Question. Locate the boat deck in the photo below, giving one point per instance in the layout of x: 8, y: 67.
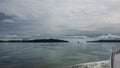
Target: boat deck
x: 115, y: 57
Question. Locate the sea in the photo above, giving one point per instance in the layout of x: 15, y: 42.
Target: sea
x: 53, y: 55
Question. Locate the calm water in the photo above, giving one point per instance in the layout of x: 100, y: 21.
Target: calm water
x: 51, y: 55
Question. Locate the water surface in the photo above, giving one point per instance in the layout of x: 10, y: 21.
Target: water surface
x: 52, y: 55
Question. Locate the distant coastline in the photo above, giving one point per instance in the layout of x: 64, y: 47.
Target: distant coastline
x: 105, y: 41
x: 107, y: 38
x: 37, y: 40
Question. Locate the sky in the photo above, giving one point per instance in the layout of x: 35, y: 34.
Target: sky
x: 59, y: 17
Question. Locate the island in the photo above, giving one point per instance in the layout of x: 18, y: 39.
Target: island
x: 105, y: 41
x: 37, y: 40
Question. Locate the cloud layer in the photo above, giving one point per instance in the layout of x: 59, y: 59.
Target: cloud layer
x: 62, y: 17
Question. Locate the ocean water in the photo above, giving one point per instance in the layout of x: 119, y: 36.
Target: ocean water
x: 52, y: 55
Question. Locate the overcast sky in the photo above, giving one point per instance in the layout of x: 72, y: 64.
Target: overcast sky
x: 59, y: 17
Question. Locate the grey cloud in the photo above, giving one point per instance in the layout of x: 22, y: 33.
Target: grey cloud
x: 61, y: 17
x: 7, y: 21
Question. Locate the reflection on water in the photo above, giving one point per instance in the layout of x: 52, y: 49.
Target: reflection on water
x: 51, y: 55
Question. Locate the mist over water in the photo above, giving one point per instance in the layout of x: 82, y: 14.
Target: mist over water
x: 52, y: 55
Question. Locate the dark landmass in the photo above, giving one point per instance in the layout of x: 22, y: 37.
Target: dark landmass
x: 105, y: 41
x: 37, y: 40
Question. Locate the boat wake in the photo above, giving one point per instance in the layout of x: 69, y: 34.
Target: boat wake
x: 100, y: 64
